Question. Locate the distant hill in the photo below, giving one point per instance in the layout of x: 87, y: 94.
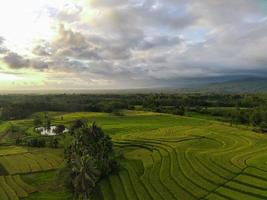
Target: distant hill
x: 250, y: 85
x: 224, y: 84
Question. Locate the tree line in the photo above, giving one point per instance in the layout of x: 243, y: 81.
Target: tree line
x: 21, y: 106
x: 248, y: 108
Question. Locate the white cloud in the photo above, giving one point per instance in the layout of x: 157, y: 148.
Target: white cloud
x: 140, y: 42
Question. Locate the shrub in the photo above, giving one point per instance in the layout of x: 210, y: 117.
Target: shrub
x: 18, y: 141
x: 53, y: 143
x: 263, y: 127
x: 59, y: 129
x: 37, y: 121
x: 36, y: 142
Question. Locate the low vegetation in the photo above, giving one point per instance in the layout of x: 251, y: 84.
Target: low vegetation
x: 210, y: 161
x: 214, y: 149
x: 14, y: 188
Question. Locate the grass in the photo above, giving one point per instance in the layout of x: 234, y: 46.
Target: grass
x: 166, y: 157
x: 13, y: 187
x: 11, y: 150
x: 50, y: 187
x: 187, y: 158
x: 31, y: 160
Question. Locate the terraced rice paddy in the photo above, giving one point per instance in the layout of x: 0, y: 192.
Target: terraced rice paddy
x: 212, y: 161
x: 28, y: 162
x: 166, y: 157
x: 14, y: 188
x: 15, y: 161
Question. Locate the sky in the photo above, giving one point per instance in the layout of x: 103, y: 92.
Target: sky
x: 117, y: 44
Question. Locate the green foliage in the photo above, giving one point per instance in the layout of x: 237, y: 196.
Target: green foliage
x: 210, y: 161
x: 53, y: 143
x: 18, y: 141
x: 37, y: 121
x: 13, y: 128
x: 164, y: 157
x: 66, y: 140
x: 13, y: 187
x: 179, y: 110
x: 47, y: 121
x: 263, y: 127
x: 34, y: 160
x: 240, y: 116
x: 117, y: 112
x: 36, y: 142
x: 259, y: 116
x: 3, y: 170
x: 77, y: 124
x: 21, y: 106
x: 49, y: 184
x: 88, y: 158
x: 15, y: 132
x: 59, y: 129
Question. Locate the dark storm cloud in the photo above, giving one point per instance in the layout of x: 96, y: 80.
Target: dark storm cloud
x: 15, y: 61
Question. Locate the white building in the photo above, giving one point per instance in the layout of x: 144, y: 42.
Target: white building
x: 51, y: 132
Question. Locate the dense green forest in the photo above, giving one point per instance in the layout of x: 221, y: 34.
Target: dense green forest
x: 247, y: 109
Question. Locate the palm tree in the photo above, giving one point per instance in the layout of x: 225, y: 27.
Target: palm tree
x: 89, y: 158
x: 86, y: 176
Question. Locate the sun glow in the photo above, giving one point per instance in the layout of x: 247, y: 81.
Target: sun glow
x: 8, y: 77
x: 29, y: 21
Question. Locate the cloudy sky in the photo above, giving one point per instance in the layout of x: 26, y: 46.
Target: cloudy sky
x: 94, y: 44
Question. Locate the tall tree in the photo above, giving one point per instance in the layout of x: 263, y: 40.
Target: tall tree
x: 89, y: 157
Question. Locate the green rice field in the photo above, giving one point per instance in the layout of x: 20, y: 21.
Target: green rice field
x: 165, y: 157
